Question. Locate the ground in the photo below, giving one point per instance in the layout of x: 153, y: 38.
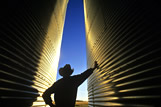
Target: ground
x: 81, y: 104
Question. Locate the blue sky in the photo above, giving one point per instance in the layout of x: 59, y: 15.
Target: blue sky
x: 73, y: 49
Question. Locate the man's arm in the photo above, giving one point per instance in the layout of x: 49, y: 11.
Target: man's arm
x: 83, y: 76
x: 47, y: 95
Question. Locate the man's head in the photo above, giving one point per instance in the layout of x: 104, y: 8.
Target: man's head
x: 66, y: 70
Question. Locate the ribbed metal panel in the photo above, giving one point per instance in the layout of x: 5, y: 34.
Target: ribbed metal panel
x: 124, y: 36
x: 30, y: 40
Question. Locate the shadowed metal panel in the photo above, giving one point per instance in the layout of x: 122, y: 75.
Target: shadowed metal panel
x: 124, y: 37
x: 30, y: 40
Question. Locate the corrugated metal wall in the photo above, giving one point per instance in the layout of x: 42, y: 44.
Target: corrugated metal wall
x: 124, y: 36
x: 30, y: 40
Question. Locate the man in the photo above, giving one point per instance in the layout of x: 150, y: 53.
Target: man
x: 65, y: 89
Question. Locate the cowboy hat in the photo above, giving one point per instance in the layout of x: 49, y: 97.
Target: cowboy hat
x: 66, y: 70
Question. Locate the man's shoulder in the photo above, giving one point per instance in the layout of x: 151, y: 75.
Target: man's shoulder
x: 75, y: 76
x: 56, y: 82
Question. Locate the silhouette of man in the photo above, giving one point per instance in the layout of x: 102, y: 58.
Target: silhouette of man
x: 65, y: 89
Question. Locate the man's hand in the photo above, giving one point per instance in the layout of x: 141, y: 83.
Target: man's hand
x: 96, y: 65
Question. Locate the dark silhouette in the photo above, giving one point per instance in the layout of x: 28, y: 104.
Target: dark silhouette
x: 65, y: 89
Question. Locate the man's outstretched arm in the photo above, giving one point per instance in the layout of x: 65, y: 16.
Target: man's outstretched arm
x: 47, y: 96
x: 83, y: 76
x: 89, y: 71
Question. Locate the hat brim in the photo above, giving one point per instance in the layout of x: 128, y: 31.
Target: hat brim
x: 66, y: 73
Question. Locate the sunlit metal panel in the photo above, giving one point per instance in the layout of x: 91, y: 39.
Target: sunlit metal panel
x: 124, y: 37
x: 30, y: 40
